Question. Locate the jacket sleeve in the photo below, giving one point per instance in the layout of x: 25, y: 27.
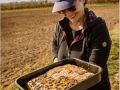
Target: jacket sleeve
x: 55, y: 42
x: 100, y: 45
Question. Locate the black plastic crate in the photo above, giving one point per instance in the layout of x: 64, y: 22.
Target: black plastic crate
x: 21, y: 82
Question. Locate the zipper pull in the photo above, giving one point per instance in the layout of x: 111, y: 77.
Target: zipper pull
x: 68, y: 53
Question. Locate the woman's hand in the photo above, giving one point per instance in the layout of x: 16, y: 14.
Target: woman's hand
x: 55, y: 60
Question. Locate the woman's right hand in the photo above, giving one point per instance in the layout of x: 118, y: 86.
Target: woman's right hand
x: 55, y: 60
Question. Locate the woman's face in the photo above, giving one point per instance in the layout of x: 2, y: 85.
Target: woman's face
x: 75, y: 13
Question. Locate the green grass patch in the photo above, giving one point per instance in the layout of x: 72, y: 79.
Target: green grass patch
x: 113, y: 68
x: 102, y: 5
x: 27, y: 10
x: 113, y: 61
x: 114, y: 54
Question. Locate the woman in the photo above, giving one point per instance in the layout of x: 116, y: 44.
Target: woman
x: 81, y: 34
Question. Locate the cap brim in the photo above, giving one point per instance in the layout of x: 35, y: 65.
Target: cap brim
x: 59, y: 6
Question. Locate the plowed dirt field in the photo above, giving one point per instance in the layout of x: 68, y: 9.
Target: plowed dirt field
x: 26, y: 40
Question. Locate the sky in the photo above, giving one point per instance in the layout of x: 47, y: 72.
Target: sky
x: 7, y: 1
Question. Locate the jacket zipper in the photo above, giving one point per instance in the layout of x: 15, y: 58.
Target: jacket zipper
x: 69, y: 52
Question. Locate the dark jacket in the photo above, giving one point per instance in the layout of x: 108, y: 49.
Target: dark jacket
x: 93, y: 45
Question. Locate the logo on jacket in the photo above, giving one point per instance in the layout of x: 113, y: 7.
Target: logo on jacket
x: 104, y: 44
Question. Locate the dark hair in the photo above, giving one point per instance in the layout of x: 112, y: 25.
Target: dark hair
x: 71, y: 8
